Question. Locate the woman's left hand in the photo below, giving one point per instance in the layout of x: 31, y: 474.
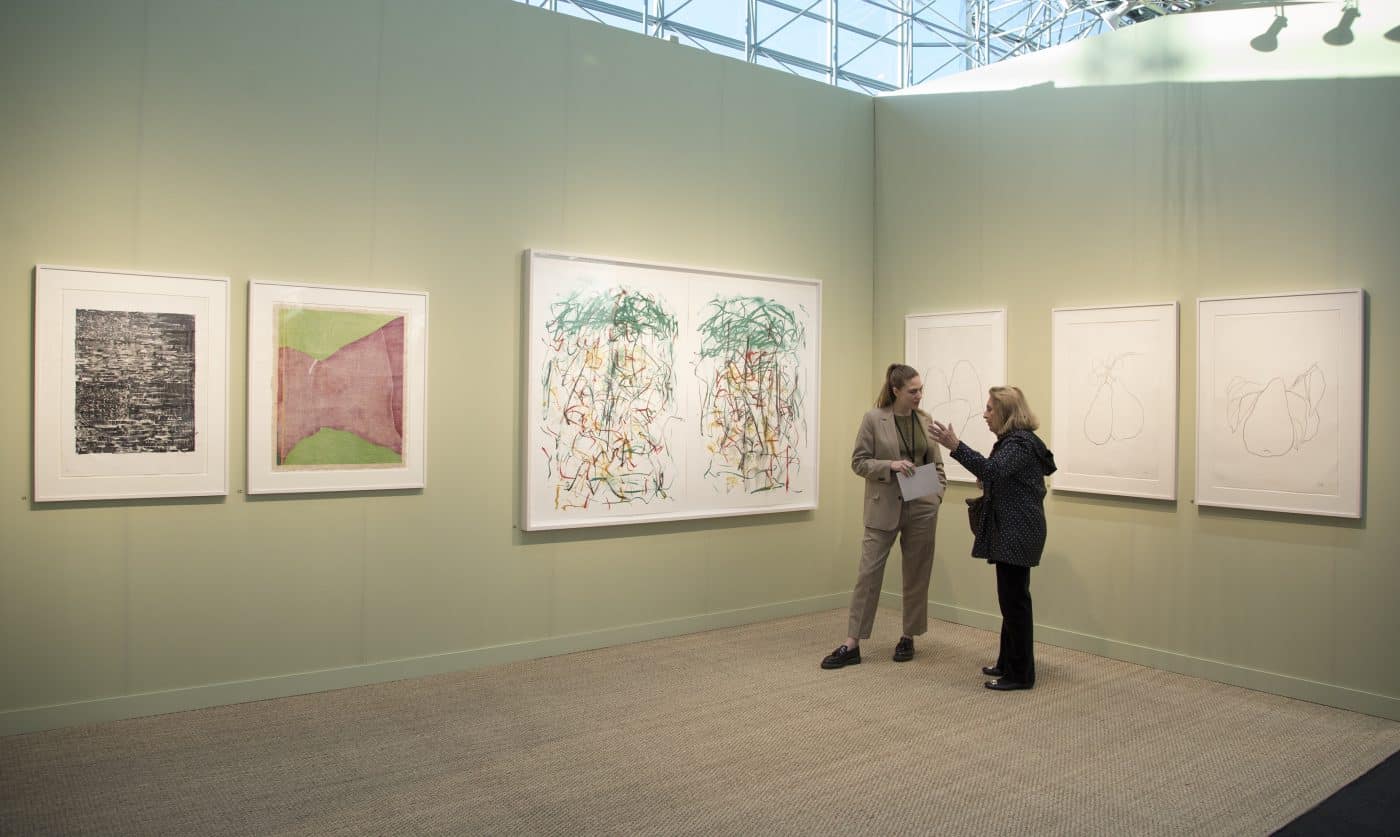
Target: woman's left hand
x: 943, y: 434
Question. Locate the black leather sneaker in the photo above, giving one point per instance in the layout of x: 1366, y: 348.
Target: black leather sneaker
x: 904, y: 650
x: 841, y: 657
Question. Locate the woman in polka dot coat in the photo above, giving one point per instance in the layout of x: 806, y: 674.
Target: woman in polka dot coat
x: 1013, y: 477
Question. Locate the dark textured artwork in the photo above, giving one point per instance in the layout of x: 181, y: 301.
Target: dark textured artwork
x: 134, y: 375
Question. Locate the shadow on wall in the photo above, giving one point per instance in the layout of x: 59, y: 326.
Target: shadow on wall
x: 1340, y: 35
x: 1315, y: 28
x: 1268, y: 42
x: 1302, y: 39
x: 1110, y: 67
x: 1337, y: 36
x: 1175, y: 56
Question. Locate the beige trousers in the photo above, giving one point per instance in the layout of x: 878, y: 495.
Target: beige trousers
x: 918, y: 522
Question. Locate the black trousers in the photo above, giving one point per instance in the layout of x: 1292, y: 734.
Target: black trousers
x: 1017, y: 656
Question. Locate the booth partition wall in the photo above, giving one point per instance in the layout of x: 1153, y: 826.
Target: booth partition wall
x: 424, y: 148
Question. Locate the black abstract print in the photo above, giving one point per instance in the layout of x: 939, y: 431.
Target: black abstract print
x: 135, y: 382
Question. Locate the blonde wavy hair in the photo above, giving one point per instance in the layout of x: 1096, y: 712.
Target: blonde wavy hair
x: 1010, y: 411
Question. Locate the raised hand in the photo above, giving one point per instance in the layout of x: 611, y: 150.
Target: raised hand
x: 943, y: 434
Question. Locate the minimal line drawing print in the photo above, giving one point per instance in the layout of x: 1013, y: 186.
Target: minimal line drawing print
x: 1275, y: 419
x: 608, y: 390
x: 340, y: 390
x: 1115, y: 413
x: 751, y: 412
x: 1114, y: 399
x: 957, y: 396
x: 1281, y: 402
x: 135, y: 382
x: 959, y: 355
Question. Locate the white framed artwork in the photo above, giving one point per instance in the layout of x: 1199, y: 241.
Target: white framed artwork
x: 1280, y: 395
x: 337, y: 388
x: 959, y: 355
x: 659, y: 392
x: 1114, y: 405
x: 130, y: 384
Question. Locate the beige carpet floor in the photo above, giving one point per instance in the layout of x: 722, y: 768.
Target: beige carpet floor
x: 735, y: 731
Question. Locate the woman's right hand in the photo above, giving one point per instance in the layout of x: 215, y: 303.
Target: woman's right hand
x: 943, y: 434
x: 902, y: 466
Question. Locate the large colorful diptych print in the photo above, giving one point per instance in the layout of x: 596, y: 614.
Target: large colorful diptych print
x: 664, y: 393
x: 336, y: 383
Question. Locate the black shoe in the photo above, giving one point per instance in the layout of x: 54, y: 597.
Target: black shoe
x: 842, y: 656
x: 1004, y: 685
x: 904, y: 650
x: 992, y: 671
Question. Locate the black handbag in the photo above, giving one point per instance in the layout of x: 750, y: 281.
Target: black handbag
x: 980, y: 515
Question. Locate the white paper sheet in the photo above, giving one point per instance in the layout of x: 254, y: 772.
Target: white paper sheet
x: 922, y: 484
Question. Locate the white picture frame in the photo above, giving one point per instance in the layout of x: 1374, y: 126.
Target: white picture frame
x: 1280, y: 399
x: 1114, y: 402
x: 642, y: 405
x: 337, y: 388
x: 130, y: 384
x: 960, y: 355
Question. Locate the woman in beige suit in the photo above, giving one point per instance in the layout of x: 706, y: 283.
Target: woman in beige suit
x: 894, y: 438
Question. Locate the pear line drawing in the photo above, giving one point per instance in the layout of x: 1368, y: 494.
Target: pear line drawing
x: 1115, y: 413
x: 957, y: 395
x: 1276, y: 418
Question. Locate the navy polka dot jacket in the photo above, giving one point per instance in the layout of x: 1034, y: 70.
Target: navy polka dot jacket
x: 1014, y: 476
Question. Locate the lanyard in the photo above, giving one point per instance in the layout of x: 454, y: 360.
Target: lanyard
x: 906, y: 444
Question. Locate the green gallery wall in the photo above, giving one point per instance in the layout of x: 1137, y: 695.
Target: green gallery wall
x: 1059, y: 196
x: 425, y: 144
x: 421, y: 145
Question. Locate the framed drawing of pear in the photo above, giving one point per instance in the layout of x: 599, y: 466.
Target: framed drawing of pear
x: 959, y: 356
x: 1280, y: 394
x: 1114, y: 399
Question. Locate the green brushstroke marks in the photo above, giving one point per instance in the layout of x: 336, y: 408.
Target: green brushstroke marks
x: 626, y: 313
x: 749, y: 324
x: 608, y: 392
x: 622, y: 320
x: 752, y: 401
x: 337, y: 447
x: 320, y: 332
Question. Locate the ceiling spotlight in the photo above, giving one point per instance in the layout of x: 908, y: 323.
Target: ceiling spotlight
x: 1268, y: 42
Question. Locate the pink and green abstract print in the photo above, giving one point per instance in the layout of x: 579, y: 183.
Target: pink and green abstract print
x: 340, y: 394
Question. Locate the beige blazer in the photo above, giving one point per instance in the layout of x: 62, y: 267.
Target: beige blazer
x: 877, y: 445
